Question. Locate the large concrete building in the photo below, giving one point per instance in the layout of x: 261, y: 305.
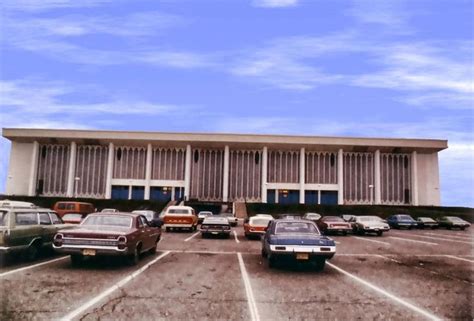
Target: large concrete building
x: 223, y: 167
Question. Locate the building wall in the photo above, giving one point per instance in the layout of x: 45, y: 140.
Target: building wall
x: 428, y: 179
x: 19, y: 169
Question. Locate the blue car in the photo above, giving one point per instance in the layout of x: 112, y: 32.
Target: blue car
x: 297, y: 241
x: 402, y: 221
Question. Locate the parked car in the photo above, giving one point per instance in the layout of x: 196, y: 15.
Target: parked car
x: 215, y: 225
x: 180, y: 217
x: 109, y: 234
x: 64, y: 207
x: 255, y: 226
x: 73, y: 218
x: 333, y: 224
x: 453, y: 222
x: 233, y: 221
x: 202, y: 215
x: 427, y: 222
x: 368, y: 224
x: 296, y: 240
x: 152, y: 217
x: 312, y: 217
x: 109, y: 210
x: 27, y: 229
x: 401, y: 220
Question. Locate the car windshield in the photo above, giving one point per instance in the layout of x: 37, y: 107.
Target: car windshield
x: 178, y: 211
x: 71, y: 216
x: 370, y: 219
x: 3, y: 218
x: 295, y: 227
x: 259, y: 222
x: 333, y: 219
x: 455, y: 219
x: 426, y: 219
x: 405, y: 217
x: 108, y: 220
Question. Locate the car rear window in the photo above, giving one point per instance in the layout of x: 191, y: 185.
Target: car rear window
x: 178, y: 211
x: 259, y: 222
x: 108, y: 220
x: 295, y: 227
x: 26, y: 219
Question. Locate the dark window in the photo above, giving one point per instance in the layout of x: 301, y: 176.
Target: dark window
x: 333, y: 160
x: 257, y: 158
x: 119, y: 154
x: 40, y: 188
x: 43, y: 152
x: 407, y: 196
x: 26, y: 219
x: 61, y: 206
x: 406, y: 162
x: 196, y: 156
x: 44, y: 219
x: 55, y: 218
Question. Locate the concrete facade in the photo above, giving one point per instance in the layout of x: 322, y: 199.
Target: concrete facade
x: 223, y: 167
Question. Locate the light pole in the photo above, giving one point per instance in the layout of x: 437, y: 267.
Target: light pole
x: 76, y: 184
x: 371, y: 189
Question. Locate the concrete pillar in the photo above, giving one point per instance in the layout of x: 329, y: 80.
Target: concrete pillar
x: 225, y: 180
x: 302, y: 174
x: 110, y: 168
x: 33, y: 169
x: 377, y: 178
x: 187, y: 173
x: 149, y: 158
x: 340, y: 177
x: 264, y: 173
x: 414, y: 179
x: 71, y: 183
x: 277, y: 196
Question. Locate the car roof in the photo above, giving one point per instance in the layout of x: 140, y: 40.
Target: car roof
x: 69, y: 202
x: 117, y: 213
x: 286, y: 220
x: 182, y: 207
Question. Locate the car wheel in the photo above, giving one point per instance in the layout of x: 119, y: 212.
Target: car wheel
x: 361, y: 232
x: 344, y: 233
x: 168, y: 229
x: 319, y: 264
x: 76, y: 259
x: 135, y: 257
x: 32, y: 252
x: 379, y: 233
x: 463, y: 228
x: 271, y: 262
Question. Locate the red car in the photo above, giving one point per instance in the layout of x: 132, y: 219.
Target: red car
x: 333, y: 224
x: 109, y: 234
x: 256, y: 226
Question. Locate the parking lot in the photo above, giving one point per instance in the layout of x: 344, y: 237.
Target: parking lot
x: 417, y: 274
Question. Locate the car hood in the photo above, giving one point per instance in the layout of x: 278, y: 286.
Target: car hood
x: 299, y: 239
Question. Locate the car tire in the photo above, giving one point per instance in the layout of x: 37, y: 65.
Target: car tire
x: 33, y: 251
x: 134, y: 257
x: 76, y: 259
x: 463, y: 228
x: 344, y: 233
x: 319, y: 264
x: 271, y: 262
x: 379, y: 233
x: 168, y: 229
x: 361, y: 232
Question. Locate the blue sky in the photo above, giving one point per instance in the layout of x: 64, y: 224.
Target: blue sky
x: 313, y: 67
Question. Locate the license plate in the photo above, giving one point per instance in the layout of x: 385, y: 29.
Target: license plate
x: 302, y: 256
x: 88, y: 252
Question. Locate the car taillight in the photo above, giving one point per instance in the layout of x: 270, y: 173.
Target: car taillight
x: 58, y: 239
x: 122, y: 242
x: 226, y: 227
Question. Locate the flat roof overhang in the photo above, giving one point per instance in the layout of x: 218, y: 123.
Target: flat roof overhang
x: 219, y: 140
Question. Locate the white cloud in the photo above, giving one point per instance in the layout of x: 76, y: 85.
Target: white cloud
x: 275, y: 3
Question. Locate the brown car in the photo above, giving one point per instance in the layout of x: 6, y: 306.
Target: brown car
x: 65, y: 207
x: 109, y: 234
x: 333, y: 224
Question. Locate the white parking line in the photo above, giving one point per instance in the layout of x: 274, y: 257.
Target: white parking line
x: 235, y: 236
x: 79, y: 311
x: 370, y: 240
x: 459, y: 258
x: 192, y: 236
x: 389, y: 295
x: 410, y: 240
x: 463, y: 238
x: 254, y: 316
x: 439, y: 238
x: 32, y: 266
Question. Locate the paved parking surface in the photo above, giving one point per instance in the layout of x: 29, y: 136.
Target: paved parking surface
x: 418, y: 274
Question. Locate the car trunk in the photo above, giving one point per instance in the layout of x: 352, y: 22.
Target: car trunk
x: 178, y: 219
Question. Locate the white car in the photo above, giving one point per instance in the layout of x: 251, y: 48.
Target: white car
x: 233, y: 221
x: 368, y: 224
x: 267, y: 216
x: 202, y: 215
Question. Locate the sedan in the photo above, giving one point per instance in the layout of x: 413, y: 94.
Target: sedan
x: 401, y: 220
x: 215, y: 225
x: 108, y: 234
x: 453, y: 222
x: 368, y: 224
x: 333, y: 224
x: 427, y: 222
x: 256, y: 226
x: 297, y: 241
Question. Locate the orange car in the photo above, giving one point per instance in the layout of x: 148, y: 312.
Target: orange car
x: 256, y: 226
x: 65, y: 207
x: 180, y: 217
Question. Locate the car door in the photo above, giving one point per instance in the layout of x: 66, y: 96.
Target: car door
x: 47, y: 228
x: 25, y: 228
x: 145, y: 232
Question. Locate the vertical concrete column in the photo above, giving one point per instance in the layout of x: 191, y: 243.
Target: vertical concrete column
x: 149, y: 158
x: 225, y: 180
x: 302, y: 174
x: 33, y: 169
x: 377, y: 178
x: 264, y: 173
x: 110, y: 168
x: 71, y: 175
x: 340, y: 177
x: 187, y: 173
x: 414, y: 179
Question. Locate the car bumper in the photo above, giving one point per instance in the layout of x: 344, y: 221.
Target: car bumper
x: 338, y: 229
x: 215, y: 232
x: 375, y: 229
x: 178, y: 225
x: 255, y: 233
x: 98, y: 250
x: 293, y: 251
